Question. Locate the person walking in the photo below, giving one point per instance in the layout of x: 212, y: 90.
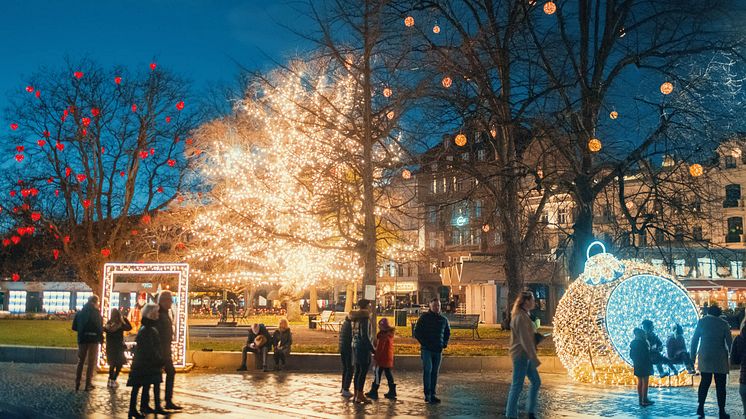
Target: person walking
x: 432, y: 331
x: 656, y: 347
x: 738, y: 357
x: 676, y: 349
x: 523, y: 354
x: 146, y: 365
x: 384, y: 360
x: 282, y: 340
x: 712, y: 341
x: 115, y: 328
x: 639, y: 352
x: 345, y: 354
x: 89, y: 326
x: 362, y: 348
x: 166, y: 334
x: 258, y: 342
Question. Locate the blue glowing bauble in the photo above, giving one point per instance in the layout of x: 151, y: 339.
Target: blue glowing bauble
x: 648, y: 297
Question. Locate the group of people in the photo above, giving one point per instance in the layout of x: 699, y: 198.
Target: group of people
x: 152, y: 354
x: 259, y: 341
x: 712, y: 345
x: 358, y: 350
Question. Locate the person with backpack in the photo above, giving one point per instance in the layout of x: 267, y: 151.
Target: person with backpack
x: 89, y: 325
x: 362, y: 348
x: 384, y: 360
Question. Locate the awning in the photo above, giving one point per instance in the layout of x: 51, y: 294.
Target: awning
x: 481, y: 272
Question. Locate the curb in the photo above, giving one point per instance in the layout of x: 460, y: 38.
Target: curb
x: 306, y: 362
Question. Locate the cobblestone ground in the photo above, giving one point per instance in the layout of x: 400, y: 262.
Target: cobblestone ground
x: 46, y: 391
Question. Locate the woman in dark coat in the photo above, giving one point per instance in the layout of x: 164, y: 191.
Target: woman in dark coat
x: 362, y: 348
x: 115, y: 328
x: 738, y: 357
x: 146, y: 365
x: 639, y: 352
x: 282, y: 341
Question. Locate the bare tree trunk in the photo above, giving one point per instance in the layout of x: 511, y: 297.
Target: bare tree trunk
x: 293, y: 309
x: 314, y: 303
x: 582, y: 228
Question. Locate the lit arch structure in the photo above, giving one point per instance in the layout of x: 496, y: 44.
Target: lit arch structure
x: 594, y: 319
x: 180, y: 308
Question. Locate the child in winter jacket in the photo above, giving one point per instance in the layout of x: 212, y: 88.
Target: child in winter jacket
x: 384, y: 357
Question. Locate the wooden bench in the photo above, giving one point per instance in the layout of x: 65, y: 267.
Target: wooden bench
x: 460, y: 321
x: 334, y: 324
x: 323, y: 318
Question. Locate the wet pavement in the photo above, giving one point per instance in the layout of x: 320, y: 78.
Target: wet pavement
x: 46, y: 391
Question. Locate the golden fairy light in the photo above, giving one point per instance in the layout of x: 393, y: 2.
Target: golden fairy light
x: 436, y: 29
x: 387, y: 92
x: 666, y: 88
x: 409, y: 21
x: 550, y: 7
x: 406, y: 174
x: 594, y: 145
x: 390, y: 114
x: 460, y: 140
x: 446, y: 82
x: 486, y: 228
x: 613, y: 114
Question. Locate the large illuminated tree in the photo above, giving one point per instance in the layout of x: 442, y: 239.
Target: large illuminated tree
x: 92, y: 152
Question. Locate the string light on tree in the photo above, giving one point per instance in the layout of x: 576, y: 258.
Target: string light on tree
x: 594, y: 319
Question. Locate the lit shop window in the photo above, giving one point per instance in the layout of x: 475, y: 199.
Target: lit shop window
x: 115, y: 300
x: 17, y: 302
x: 56, y: 301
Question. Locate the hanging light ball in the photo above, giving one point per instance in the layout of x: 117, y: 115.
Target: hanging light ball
x: 696, y: 170
x: 493, y: 133
x: 550, y: 7
x: 594, y: 145
x: 460, y: 140
x: 667, y: 88
x: 446, y: 82
x: 387, y: 92
x: 406, y: 174
x: 614, y: 115
x: 486, y: 228
x: 629, y: 205
x: 436, y: 28
x: 409, y: 21
x: 390, y: 115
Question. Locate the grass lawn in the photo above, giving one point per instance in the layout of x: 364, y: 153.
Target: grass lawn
x: 58, y: 333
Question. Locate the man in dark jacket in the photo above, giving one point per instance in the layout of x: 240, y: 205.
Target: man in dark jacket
x: 432, y: 331
x: 90, y: 327
x: 258, y: 342
x: 345, y: 353
x: 166, y: 335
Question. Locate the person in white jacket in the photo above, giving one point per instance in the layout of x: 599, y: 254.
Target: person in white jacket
x: 523, y: 354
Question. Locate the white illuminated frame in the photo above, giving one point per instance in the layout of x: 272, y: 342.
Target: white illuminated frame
x: 178, y: 345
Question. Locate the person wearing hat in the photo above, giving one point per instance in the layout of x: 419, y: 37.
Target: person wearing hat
x: 258, y: 343
x: 384, y: 360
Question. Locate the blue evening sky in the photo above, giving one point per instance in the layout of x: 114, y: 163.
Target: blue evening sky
x: 202, y: 40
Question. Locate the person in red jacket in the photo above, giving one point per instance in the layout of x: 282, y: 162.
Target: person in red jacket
x: 384, y: 357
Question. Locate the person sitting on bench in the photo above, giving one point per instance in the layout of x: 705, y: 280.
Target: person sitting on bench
x: 656, y: 347
x: 257, y: 342
x: 676, y: 349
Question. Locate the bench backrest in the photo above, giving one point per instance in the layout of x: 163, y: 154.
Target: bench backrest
x: 463, y: 318
x: 326, y: 315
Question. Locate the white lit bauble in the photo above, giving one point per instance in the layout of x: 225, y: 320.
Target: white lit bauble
x: 595, y: 318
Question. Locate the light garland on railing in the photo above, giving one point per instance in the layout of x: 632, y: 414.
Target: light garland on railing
x: 594, y: 319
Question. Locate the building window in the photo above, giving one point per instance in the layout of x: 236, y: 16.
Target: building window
x: 707, y: 268
x: 732, y: 195
x: 658, y: 263
x: 478, y: 208
x: 660, y: 236
x: 679, y: 267
x: 81, y: 298
x: 435, y: 185
x: 17, y: 302
x: 730, y: 162
x: 57, y: 301
x: 434, y: 167
x: 697, y: 233
x: 735, y: 229
x: 544, y: 217
x: 432, y: 215
x: 432, y: 240
x: 456, y: 185
x: 456, y: 238
x: 409, y: 269
x: 392, y: 269
x: 401, y: 270
x: 445, y: 185
x: 736, y: 269
x: 481, y: 155
x: 562, y: 216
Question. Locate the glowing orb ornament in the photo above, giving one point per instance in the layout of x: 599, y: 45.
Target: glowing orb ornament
x: 666, y: 88
x: 436, y: 29
x: 486, y: 228
x: 409, y: 21
x: 696, y: 170
x: 406, y: 174
x: 550, y: 7
x: 613, y: 114
x: 387, y: 92
x: 460, y: 140
x: 594, y: 145
x: 595, y: 318
x: 446, y: 82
